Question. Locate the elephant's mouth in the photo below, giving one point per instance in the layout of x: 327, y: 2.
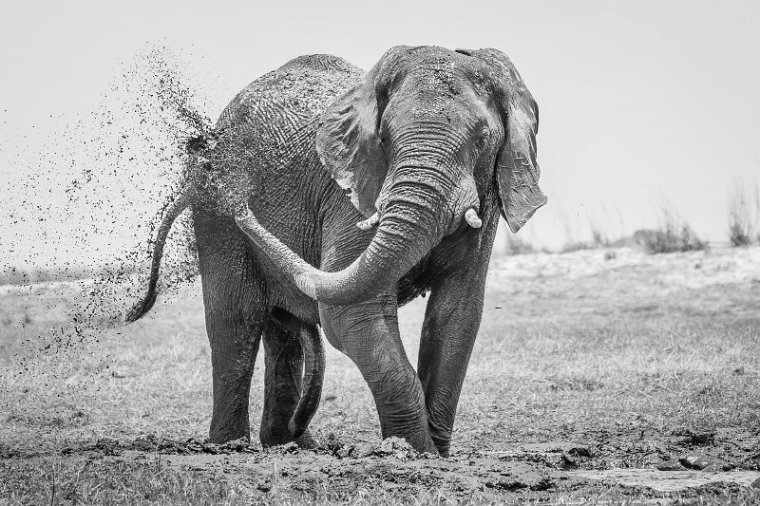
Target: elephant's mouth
x: 370, y: 222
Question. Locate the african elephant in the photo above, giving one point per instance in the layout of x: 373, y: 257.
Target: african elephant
x: 330, y: 198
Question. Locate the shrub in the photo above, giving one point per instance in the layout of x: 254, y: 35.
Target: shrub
x: 571, y: 246
x: 738, y: 235
x: 599, y: 240
x: 674, y: 234
x: 743, y: 212
x: 516, y: 246
x: 599, y: 237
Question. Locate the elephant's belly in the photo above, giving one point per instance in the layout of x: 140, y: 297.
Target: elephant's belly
x: 286, y: 296
x: 413, y: 284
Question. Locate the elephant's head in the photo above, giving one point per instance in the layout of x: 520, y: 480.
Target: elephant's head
x: 421, y: 141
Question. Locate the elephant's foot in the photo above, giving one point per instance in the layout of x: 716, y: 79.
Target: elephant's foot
x: 229, y: 432
x: 415, y: 433
x: 230, y: 418
x: 443, y: 446
x: 275, y: 434
x: 440, y: 432
x: 306, y: 441
x: 271, y: 436
x: 422, y: 443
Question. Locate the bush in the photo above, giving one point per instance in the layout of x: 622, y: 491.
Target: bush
x: 743, y: 212
x: 516, y: 246
x: 571, y: 246
x: 673, y: 235
x: 599, y: 240
x: 738, y: 235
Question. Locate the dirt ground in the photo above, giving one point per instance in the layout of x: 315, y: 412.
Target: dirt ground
x: 599, y: 376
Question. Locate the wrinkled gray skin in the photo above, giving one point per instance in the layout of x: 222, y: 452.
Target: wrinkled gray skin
x: 301, y: 156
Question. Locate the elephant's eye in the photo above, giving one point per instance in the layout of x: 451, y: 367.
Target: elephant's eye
x: 483, y: 136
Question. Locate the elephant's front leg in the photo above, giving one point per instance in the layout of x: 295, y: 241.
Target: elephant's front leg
x: 451, y: 324
x: 368, y: 333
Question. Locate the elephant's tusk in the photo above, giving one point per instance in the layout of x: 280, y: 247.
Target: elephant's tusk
x: 369, y: 222
x: 471, y: 217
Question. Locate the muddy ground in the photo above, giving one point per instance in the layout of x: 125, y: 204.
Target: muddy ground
x: 602, y: 376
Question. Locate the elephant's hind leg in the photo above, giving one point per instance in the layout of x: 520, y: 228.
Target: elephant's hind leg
x: 283, y: 379
x: 235, y: 304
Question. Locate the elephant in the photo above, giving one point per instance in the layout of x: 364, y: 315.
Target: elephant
x: 325, y: 198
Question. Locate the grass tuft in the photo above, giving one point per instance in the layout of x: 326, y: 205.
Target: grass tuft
x: 673, y: 235
x: 743, y: 215
x: 106, y: 481
x: 517, y: 246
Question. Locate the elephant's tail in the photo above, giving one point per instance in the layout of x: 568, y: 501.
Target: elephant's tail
x: 173, y: 208
x: 314, y: 375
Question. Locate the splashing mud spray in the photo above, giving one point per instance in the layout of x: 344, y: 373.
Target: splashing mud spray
x: 122, y: 160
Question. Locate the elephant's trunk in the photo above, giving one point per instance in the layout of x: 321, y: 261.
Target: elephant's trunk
x: 414, y: 219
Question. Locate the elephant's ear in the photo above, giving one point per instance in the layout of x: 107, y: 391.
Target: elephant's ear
x: 349, y: 147
x: 517, y: 171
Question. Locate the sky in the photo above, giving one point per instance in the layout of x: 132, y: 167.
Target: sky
x: 645, y: 105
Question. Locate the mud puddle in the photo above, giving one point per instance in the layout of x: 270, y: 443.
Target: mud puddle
x: 668, y: 481
x: 557, y: 472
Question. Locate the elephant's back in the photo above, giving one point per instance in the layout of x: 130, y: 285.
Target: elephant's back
x: 294, y: 93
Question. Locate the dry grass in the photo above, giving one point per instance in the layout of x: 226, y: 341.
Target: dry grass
x: 518, y: 246
x: 624, y: 360
x: 674, y: 234
x: 93, y: 481
x: 743, y: 214
x: 152, y: 482
x: 607, y: 351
